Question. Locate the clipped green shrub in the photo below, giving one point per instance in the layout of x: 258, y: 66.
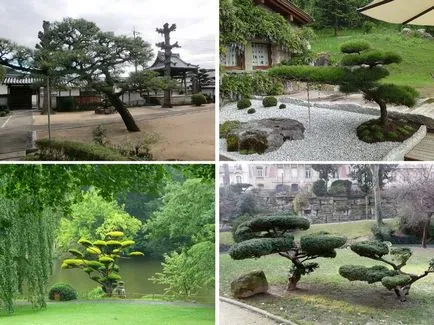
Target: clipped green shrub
x: 370, y: 248
x: 69, y: 150
x: 340, y: 187
x: 265, y: 235
x: 363, y: 273
x: 232, y: 143
x: 65, y: 104
x: 227, y: 127
x: 62, y: 292
x: 269, y: 101
x: 198, y: 99
x: 95, y: 293
x: 282, y: 106
x: 356, y: 46
x: 244, y: 103
x: 319, y: 187
x: 251, y: 111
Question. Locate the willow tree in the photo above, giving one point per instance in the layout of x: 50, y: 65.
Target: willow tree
x: 391, y: 277
x: 267, y: 235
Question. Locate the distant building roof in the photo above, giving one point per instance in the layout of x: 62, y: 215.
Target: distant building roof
x: 19, y: 80
x: 288, y: 10
x: 177, y: 65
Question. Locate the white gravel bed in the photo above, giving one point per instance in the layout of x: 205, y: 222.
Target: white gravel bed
x: 331, y: 135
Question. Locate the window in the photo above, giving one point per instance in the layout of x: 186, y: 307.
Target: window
x: 294, y: 173
x: 259, y: 172
x: 232, y: 58
x: 238, y: 178
x: 261, y: 55
x: 307, y: 173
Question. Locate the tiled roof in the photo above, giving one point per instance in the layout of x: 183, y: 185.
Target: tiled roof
x: 19, y: 80
x: 176, y: 63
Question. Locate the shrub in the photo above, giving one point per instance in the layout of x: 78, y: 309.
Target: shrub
x: 198, y: 99
x: 244, y: 103
x: 269, y: 101
x: 99, y: 135
x: 266, y: 235
x: 319, y: 188
x: 282, y: 106
x: 340, y: 187
x: 68, y: 150
x: 227, y: 127
x: 65, y: 104
x: 95, y: 293
x: 368, y: 27
x: 62, y: 292
x: 355, y: 47
x: 251, y: 111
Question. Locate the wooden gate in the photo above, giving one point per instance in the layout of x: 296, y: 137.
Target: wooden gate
x: 20, y: 97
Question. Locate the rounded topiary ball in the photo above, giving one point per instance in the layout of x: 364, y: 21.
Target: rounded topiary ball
x: 282, y: 106
x: 244, y: 103
x: 198, y: 99
x: 62, y: 292
x: 251, y: 111
x: 269, y: 101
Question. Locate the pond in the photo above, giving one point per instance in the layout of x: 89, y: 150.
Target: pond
x: 134, y: 271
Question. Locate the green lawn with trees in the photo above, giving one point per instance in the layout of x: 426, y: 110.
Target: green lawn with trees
x: 89, y: 216
x: 111, y: 313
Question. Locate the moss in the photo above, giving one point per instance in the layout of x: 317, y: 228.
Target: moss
x: 257, y: 144
x: 367, y: 139
x: 379, y: 135
x: 247, y: 152
x: 392, y: 136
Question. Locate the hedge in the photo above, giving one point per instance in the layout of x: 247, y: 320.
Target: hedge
x: 69, y: 150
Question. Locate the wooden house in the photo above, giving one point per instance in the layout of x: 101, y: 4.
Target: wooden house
x: 261, y: 54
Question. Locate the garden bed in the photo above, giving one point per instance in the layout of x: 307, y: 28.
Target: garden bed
x: 331, y: 134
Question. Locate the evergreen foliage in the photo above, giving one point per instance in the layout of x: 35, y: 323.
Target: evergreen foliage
x: 319, y: 187
x: 99, y: 261
x: 62, y: 292
x: 198, y: 99
x: 266, y: 235
x: 244, y: 103
x: 393, y: 279
x: 269, y: 101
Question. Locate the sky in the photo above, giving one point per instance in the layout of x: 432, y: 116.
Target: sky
x: 196, y: 21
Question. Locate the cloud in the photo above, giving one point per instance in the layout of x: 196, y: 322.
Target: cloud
x: 196, y: 21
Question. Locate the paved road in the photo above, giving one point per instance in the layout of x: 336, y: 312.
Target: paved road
x: 15, y: 133
x: 234, y: 315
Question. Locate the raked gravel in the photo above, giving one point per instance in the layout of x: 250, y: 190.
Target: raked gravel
x: 331, y: 135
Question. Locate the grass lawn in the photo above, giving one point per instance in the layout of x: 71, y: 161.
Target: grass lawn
x: 352, y: 230
x: 326, y: 298
x: 97, y: 313
x: 417, y: 55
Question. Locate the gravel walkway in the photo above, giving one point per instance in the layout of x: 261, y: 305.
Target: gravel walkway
x: 330, y: 137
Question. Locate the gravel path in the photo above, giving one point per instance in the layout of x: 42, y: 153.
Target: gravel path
x: 234, y: 315
x: 330, y: 137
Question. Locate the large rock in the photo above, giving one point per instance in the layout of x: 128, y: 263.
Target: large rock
x: 266, y: 135
x: 249, y: 284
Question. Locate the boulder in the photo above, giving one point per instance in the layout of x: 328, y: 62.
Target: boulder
x: 259, y: 136
x: 249, y: 284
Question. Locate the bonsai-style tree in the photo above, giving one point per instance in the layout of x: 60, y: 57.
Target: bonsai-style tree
x: 361, y: 70
x: 98, y: 259
x: 267, y: 235
x: 393, y: 279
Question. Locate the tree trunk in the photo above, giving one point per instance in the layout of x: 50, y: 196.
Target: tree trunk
x: 375, y: 169
x: 383, y: 113
x: 47, y: 98
x: 426, y: 230
x: 366, y: 206
x: 401, y: 293
x: 292, y: 281
x: 128, y: 119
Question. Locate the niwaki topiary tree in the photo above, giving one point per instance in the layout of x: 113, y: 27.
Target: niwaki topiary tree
x: 361, y: 70
x: 267, y: 235
x: 392, y: 278
x: 98, y: 259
